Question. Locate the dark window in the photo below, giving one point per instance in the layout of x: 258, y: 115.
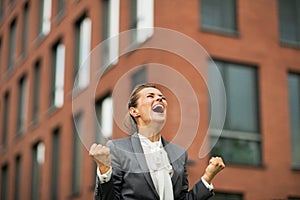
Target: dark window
x: 227, y: 196
x: 77, y: 148
x: 25, y: 29
x: 22, y: 106
x: 2, y: 9
x: 294, y: 101
x: 139, y: 77
x: 83, y: 30
x: 55, y: 164
x: 0, y: 56
x: 45, y: 17
x: 5, y: 122
x: 293, y: 198
x: 36, y: 91
x: 58, y: 74
x: 4, y: 182
x: 104, y: 111
x: 142, y: 20
x: 110, y: 29
x: 240, y: 140
x: 12, y: 46
x: 38, y: 156
x: 219, y: 16
x: 289, y: 21
x: 18, y: 175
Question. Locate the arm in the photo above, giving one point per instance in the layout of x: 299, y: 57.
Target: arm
x: 200, y: 191
x: 106, y: 160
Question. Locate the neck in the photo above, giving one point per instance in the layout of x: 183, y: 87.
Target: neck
x: 152, y: 134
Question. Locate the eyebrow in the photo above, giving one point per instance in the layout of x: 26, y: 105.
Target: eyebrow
x: 151, y: 93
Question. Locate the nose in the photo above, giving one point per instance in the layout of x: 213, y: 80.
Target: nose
x: 159, y: 98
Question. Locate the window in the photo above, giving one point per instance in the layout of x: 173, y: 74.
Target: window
x: 0, y: 57
x: 219, y: 16
x: 289, y: 21
x: 55, y: 163
x: 22, y: 106
x: 58, y: 74
x: 110, y: 30
x: 36, y: 91
x: 139, y: 77
x: 18, y: 184
x: 2, y: 9
x: 240, y: 140
x: 12, y: 45
x: 294, y: 100
x: 76, y: 173
x: 104, y: 110
x: 45, y: 17
x: 142, y: 19
x: 226, y: 196
x: 4, y: 182
x: 83, y: 43
x: 38, y: 157
x: 5, y: 122
x: 25, y: 29
x: 293, y: 198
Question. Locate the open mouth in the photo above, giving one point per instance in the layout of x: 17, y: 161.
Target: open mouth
x: 158, y: 108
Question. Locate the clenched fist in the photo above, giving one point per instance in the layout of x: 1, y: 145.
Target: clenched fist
x: 215, y: 165
x: 101, y: 155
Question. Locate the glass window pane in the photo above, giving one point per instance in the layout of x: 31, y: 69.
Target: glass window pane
x: 5, y: 119
x: 241, y: 89
x: 25, y: 29
x: 104, y: 110
x: 219, y: 15
x: 22, y: 108
x: 83, y: 42
x: 38, y: 156
x: 294, y: 101
x: 226, y: 196
x: 36, y: 92
x: 238, y: 151
x: 76, y: 172
x: 289, y: 19
x: 12, y: 46
x: 18, y: 178
x: 55, y: 163
x: 4, y: 182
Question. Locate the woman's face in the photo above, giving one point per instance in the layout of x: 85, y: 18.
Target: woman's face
x: 151, y: 107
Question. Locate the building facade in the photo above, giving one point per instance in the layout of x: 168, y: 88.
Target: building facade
x: 67, y: 69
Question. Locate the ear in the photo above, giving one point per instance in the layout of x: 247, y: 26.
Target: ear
x: 134, y: 112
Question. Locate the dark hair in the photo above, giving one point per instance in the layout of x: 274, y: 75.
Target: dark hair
x: 135, y: 96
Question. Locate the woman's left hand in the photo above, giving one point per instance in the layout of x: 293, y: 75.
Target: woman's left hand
x: 215, y: 165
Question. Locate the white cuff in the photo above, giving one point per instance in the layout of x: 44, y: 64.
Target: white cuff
x: 210, y: 187
x: 104, y: 177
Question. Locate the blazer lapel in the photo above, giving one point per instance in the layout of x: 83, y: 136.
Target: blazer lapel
x: 173, y: 157
x: 138, y: 151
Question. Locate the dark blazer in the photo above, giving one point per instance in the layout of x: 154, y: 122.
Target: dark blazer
x: 131, y: 178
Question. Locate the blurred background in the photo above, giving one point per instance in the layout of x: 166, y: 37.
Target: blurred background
x: 255, y: 45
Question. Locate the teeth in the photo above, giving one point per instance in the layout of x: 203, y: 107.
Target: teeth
x: 158, y: 108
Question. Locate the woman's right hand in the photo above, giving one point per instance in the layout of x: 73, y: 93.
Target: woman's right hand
x: 101, y: 155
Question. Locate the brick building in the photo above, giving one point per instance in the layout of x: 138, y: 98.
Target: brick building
x: 254, y: 44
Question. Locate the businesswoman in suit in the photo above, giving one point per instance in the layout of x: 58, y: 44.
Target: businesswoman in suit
x: 145, y: 166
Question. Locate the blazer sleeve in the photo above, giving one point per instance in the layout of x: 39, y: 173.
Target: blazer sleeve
x: 110, y: 190
x: 198, y: 192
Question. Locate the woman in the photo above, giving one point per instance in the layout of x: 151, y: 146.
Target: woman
x: 145, y: 165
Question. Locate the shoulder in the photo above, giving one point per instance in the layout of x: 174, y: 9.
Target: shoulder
x: 122, y: 143
x: 171, y: 147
